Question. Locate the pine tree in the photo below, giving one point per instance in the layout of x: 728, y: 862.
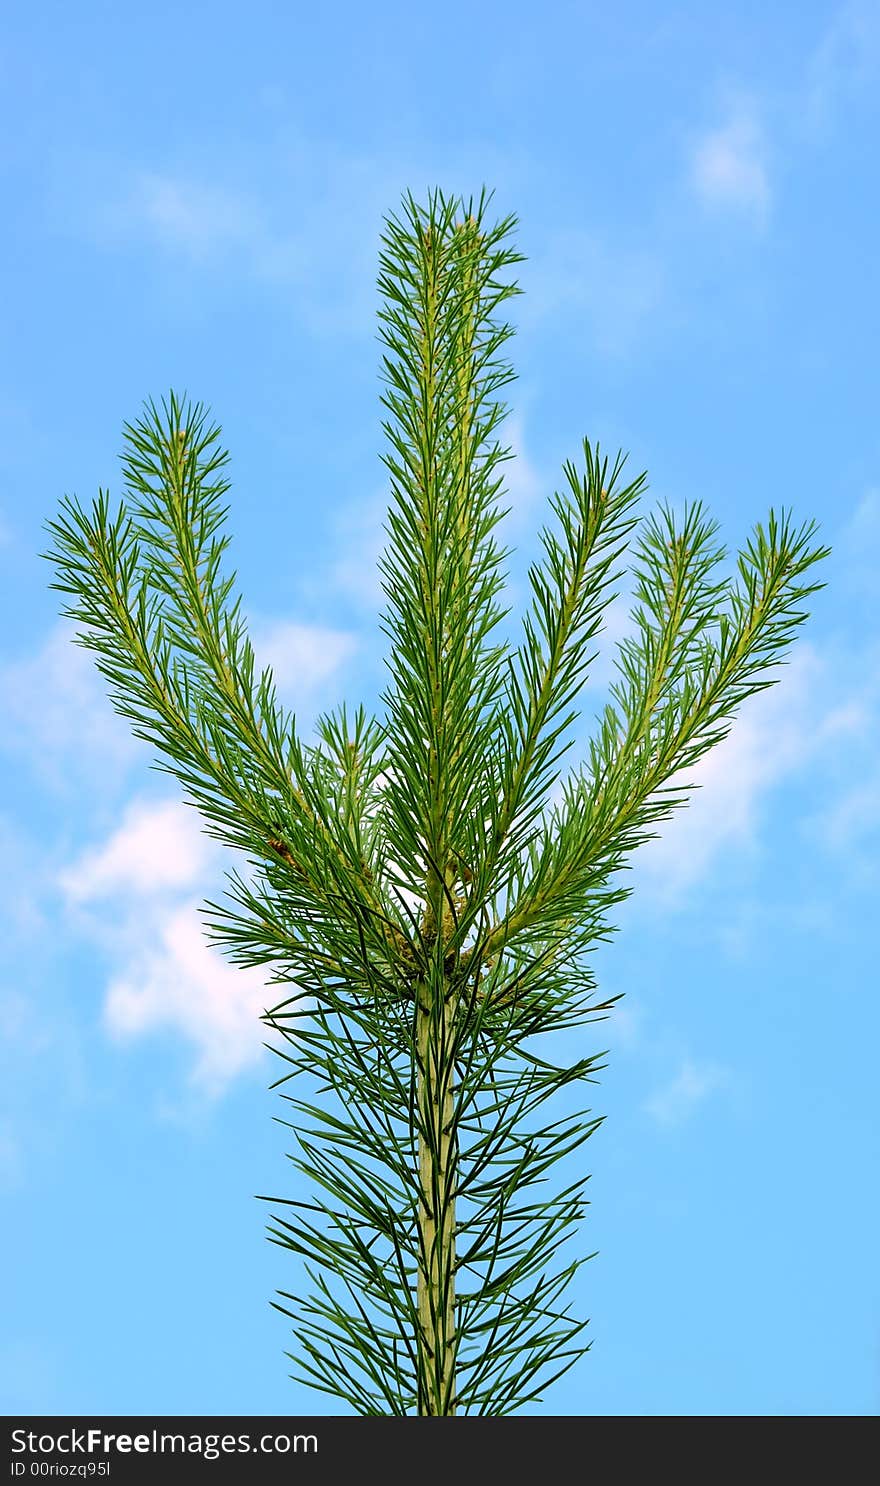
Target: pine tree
x: 424, y: 887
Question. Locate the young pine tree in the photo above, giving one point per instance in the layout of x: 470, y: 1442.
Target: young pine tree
x: 425, y: 890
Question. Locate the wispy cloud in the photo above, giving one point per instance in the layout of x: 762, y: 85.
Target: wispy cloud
x: 60, y: 722
x: 610, y: 290
x: 359, y: 541
x: 846, y: 60
x: 313, y: 237
x: 25, y: 872
x: 854, y: 819
x: 679, y: 1099
x: 855, y: 550
x: 848, y: 820
x: 728, y: 166
x: 523, y: 481
x: 58, y: 717
x: 194, y: 218
x: 11, y: 1157
x: 822, y: 718
x: 626, y: 1024
x: 775, y: 735
x: 303, y: 657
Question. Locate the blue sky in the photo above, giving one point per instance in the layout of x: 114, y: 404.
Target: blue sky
x: 193, y: 198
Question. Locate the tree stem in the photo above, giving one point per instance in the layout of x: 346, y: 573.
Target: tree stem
x: 438, y: 1153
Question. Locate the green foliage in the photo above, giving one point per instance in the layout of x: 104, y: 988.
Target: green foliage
x: 424, y: 886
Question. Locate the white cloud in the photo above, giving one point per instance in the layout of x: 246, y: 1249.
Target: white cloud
x: 156, y: 848
x: 729, y: 166
x: 677, y: 1100
x: 173, y: 980
x: 126, y: 890
x: 164, y: 974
